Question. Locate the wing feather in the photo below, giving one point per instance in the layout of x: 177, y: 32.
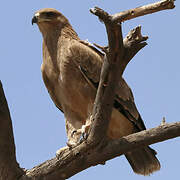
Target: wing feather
x: 89, y: 62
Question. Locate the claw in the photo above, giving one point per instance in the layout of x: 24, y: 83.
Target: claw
x: 84, y: 135
x: 74, y: 132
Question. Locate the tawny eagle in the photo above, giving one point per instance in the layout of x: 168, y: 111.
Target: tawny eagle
x: 71, y: 71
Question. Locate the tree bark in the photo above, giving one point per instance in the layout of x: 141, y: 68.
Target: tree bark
x: 133, y: 13
x: 84, y: 156
x: 9, y: 168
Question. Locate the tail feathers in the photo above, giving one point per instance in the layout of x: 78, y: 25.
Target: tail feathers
x: 143, y: 161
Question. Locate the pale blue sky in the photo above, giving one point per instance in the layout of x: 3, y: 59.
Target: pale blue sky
x: 153, y: 75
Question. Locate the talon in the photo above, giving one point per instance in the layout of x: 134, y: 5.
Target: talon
x: 84, y: 135
x: 72, y: 134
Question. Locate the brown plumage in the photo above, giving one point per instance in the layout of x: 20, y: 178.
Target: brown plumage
x: 71, y: 72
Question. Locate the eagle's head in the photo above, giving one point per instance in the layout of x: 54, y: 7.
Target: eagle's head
x: 51, y: 23
x: 49, y: 19
x: 48, y: 16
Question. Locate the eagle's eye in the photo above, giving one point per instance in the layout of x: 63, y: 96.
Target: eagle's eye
x: 50, y: 14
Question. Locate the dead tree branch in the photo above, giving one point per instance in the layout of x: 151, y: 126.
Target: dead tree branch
x: 82, y: 157
x: 109, y: 78
x: 116, y: 58
x: 9, y: 168
x: 133, y: 13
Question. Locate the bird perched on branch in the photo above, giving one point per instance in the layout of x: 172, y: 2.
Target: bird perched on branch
x: 71, y: 72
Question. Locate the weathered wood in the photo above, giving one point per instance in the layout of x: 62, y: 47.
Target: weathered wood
x: 143, y: 10
x: 133, y: 13
x: 117, y: 56
x: 109, y: 78
x: 82, y: 157
x: 9, y: 168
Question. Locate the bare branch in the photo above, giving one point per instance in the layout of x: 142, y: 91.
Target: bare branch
x: 110, y: 72
x: 143, y: 10
x: 144, y: 138
x: 81, y: 157
x: 133, y: 13
x: 133, y: 43
x: 118, y: 55
x: 9, y: 168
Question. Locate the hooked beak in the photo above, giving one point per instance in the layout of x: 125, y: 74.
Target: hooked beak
x: 34, y: 20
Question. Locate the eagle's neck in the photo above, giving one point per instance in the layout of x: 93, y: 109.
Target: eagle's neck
x: 55, y: 39
x: 51, y: 32
x: 68, y: 32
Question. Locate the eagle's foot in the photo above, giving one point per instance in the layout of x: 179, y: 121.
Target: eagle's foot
x: 83, y: 137
x: 76, y: 133
x: 85, y: 129
x: 83, y: 132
